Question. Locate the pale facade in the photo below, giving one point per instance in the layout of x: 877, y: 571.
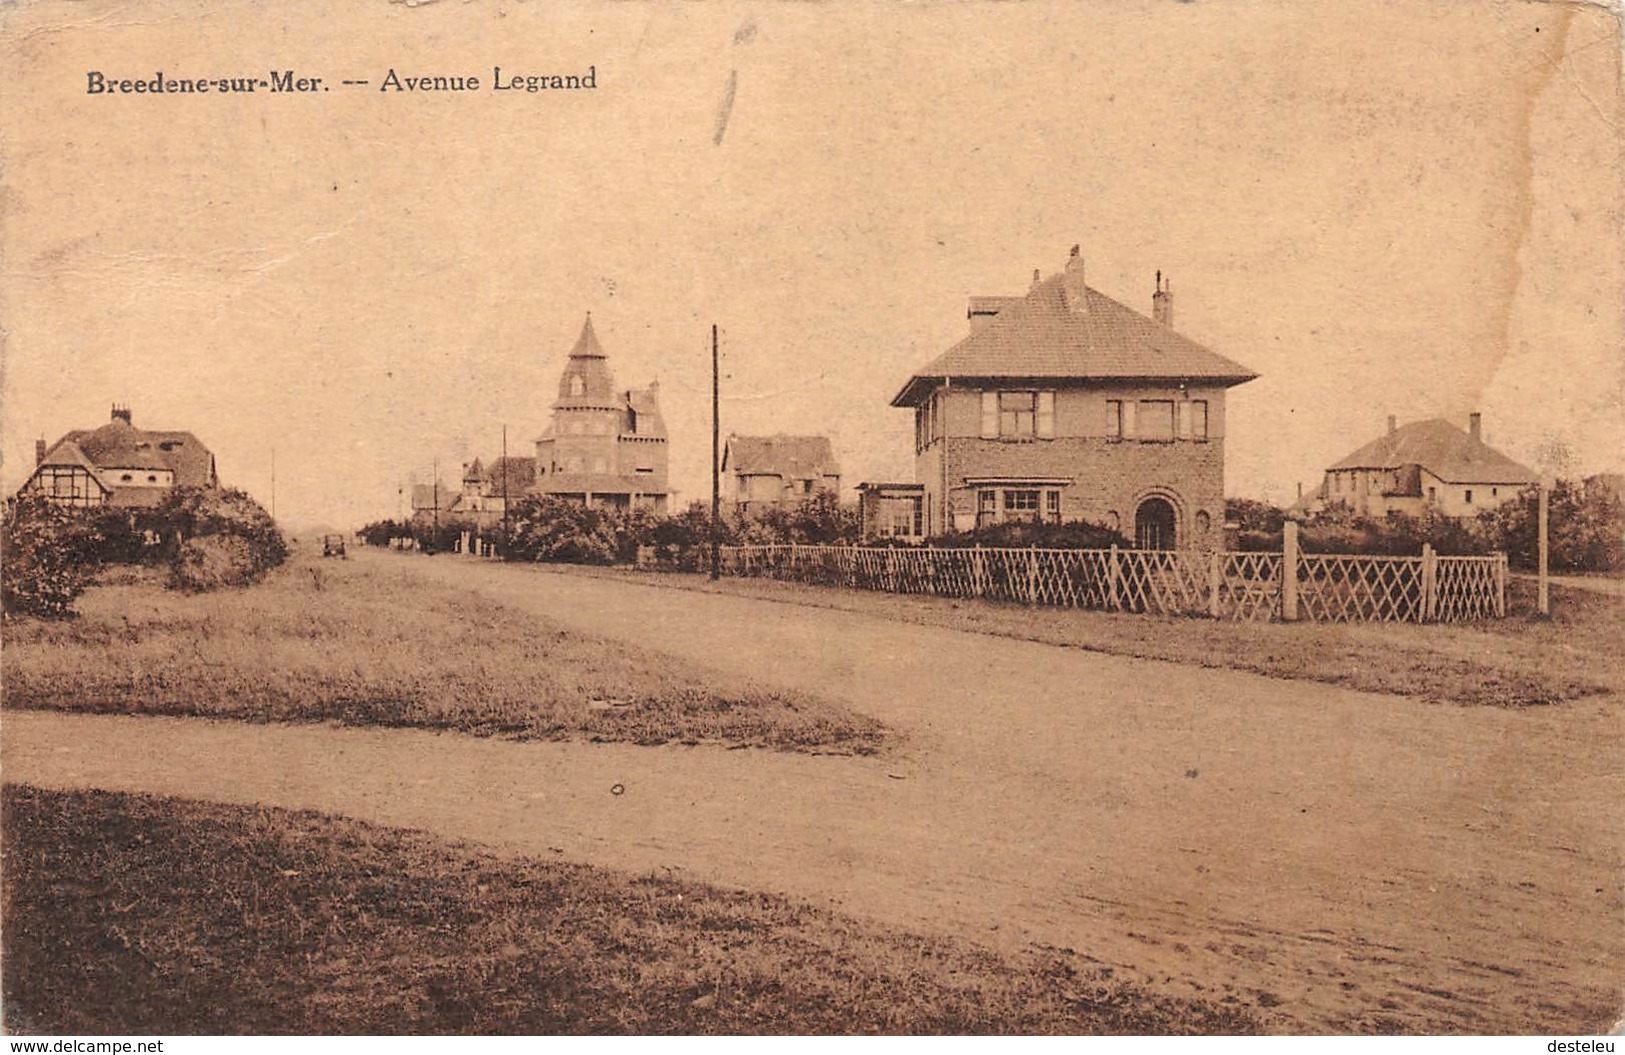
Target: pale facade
x: 1425, y: 466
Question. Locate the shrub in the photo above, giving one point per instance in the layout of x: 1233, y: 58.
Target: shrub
x: 191, y: 515
x: 548, y: 528
x: 210, y: 562
x: 1586, y: 529
x: 1338, y: 530
x: 683, y: 542
x: 382, y: 532
x: 1074, y: 534
x: 44, y: 570
x: 1251, y: 515
x: 437, y: 537
x: 115, y: 535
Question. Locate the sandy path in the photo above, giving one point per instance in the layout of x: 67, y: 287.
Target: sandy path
x: 1610, y: 586
x: 1335, y: 855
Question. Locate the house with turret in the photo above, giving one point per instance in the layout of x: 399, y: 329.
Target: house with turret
x: 605, y: 445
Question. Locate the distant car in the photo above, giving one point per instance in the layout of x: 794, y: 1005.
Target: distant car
x: 333, y: 546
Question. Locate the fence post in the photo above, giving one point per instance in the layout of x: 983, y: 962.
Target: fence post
x: 1289, y: 572
x: 1215, y: 580
x: 1430, y: 582
x: 1032, y: 575
x: 1501, y: 585
x: 1112, y: 575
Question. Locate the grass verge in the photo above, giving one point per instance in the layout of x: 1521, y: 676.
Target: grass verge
x: 1522, y: 660
x: 366, y: 645
x: 186, y: 918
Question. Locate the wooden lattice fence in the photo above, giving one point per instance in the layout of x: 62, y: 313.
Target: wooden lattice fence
x: 1221, y: 585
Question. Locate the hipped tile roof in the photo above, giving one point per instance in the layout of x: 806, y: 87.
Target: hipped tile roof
x: 1043, y: 336
x: 792, y: 457
x: 1441, y: 448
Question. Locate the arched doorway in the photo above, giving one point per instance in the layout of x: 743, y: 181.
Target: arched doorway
x: 1154, y: 524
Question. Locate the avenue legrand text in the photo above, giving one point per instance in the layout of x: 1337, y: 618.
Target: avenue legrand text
x: 296, y: 82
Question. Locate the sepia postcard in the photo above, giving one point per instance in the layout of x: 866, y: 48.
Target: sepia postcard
x: 977, y: 518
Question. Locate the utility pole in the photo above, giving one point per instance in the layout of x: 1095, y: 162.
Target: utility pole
x: 273, y: 483
x: 504, y: 553
x: 435, y: 515
x: 716, y: 459
x: 1545, y: 551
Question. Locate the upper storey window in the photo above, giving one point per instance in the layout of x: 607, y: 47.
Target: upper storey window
x: 1018, y: 415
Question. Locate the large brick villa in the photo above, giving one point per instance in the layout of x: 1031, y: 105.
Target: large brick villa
x: 1063, y: 404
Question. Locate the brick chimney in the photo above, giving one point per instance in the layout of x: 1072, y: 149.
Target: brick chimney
x: 1475, y: 426
x: 1077, y: 293
x: 1038, y: 277
x: 1162, y: 302
x: 1393, y: 424
x: 122, y: 414
x: 39, y: 451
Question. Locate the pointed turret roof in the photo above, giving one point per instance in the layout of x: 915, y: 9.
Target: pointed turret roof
x: 587, y: 383
x: 587, y: 346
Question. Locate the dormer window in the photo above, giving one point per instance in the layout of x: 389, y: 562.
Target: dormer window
x: 578, y: 387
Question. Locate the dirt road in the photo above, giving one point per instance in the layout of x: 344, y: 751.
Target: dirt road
x: 1608, y: 585
x: 1348, y: 861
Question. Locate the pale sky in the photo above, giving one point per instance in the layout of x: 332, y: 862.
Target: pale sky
x: 1383, y: 208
